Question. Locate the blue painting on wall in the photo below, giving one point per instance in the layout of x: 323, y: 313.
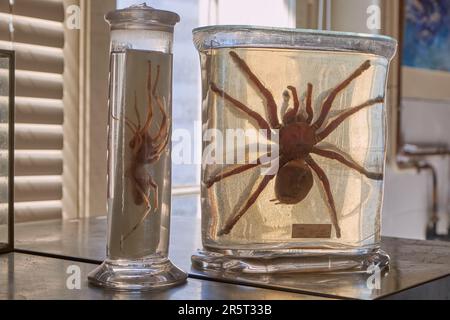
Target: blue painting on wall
x: 426, y: 34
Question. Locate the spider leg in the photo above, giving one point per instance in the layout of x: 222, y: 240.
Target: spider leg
x: 270, y: 101
x: 133, y: 127
x: 141, y: 189
x: 347, y: 161
x: 159, y: 142
x: 239, y: 105
x: 326, y: 185
x: 326, y: 106
x: 138, y: 115
x: 129, y: 233
x: 158, y: 148
x: 163, y: 126
x: 291, y: 114
x: 149, y: 117
x: 344, y: 115
x: 155, y: 191
x: 232, y: 172
x: 309, y: 109
x: 158, y: 69
x: 149, y: 209
x: 251, y: 200
x: 295, y: 97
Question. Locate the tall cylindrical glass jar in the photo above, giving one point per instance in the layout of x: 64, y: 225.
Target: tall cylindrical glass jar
x: 294, y: 148
x: 139, y: 151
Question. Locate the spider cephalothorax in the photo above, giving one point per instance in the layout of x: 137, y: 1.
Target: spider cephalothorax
x: 146, y: 149
x: 299, y: 135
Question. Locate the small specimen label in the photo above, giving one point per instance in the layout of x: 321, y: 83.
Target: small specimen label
x: 311, y: 231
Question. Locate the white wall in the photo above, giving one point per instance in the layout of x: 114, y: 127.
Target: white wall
x: 407, y: 200
x: 408, y: 194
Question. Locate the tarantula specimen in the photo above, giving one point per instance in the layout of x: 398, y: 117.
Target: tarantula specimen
x: 299, y: 135
x: 146, y: 149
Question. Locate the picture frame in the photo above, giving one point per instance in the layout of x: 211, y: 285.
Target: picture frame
x: 425, y: 71
x: 410, y: 86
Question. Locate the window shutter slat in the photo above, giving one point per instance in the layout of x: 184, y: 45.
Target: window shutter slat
x: 37, y: 210
x: 37, y: 188
x: 33, y: 31
x: 32, y: 163
x: 40, y: 111
x: 37, y: 58
x: 39, y: 85
x: 36, y: 110
x: 44, y: 9
x: 38, y: 35
x: 38, y: 137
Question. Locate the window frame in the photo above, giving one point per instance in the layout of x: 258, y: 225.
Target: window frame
x: 9, y: 246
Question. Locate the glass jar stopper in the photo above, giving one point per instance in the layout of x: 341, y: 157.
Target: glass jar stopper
x: 142, y: 16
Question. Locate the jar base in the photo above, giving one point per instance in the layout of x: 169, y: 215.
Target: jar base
x: 137, y: 275
x: 275, y: 262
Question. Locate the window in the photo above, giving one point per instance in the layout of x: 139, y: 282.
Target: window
x: 186, y: 99
x: 35, y: 30
x: 59, y: 133
x: 186, y: 76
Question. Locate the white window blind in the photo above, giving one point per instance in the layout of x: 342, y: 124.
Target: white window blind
x: 35, y: 30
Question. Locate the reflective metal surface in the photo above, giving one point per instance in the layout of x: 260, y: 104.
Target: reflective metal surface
x: 419, y: 269
x: 86, y: 238
x: 24, y: 276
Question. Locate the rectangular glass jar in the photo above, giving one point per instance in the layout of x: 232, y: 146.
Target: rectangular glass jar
x: 313, y: 186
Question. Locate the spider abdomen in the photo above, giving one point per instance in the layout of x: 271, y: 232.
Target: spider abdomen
x: 293, y: 182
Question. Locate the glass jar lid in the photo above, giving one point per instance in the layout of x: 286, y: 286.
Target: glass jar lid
x: 142, y: 16
x: 231, y: 36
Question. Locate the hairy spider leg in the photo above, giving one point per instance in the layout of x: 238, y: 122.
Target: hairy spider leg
x: 270, y: 101
x: 251, y: 200
x: 148, y: 120
x: 326, y: 186
x: 309, y: 109
x: 163, y: 128
x: 344, y: 115
x: 158, y: 149
x: 231, y: 172
x: 291, y: 114
x: 139, y: 184
x: 239, y: 105
x: 295, y: 112
x: 136, y: 109
x: 326, y: 106
x: 145, y: 197
x: 161, y: 140
x: 158, y: 70
x: 134, y: 129
x: 345, y: 161
x: 152, y: 184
